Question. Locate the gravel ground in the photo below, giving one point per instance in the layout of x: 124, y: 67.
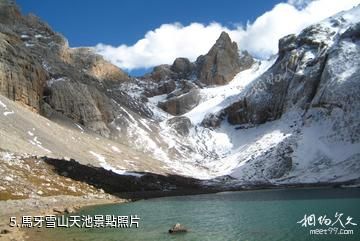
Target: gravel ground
x: 43, y: 206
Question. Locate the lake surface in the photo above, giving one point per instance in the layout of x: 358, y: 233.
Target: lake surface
x: 249, y: 215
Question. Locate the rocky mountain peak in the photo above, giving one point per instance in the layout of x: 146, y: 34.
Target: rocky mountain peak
x: 224, y: 41
x: 217, y: 67
x: 222, y: 62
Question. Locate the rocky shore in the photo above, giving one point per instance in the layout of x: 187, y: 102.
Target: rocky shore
x: 44, y: 206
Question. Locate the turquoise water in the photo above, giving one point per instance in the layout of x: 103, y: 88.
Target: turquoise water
x: 249, y: 215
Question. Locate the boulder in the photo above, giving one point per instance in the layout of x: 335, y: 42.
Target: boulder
x: 183, y: 67
x: 161, y: 72
x: 353, y: 32
x: 5, y: 231
x: 180, y: 124
x: 287, y: 43
x: 213, y: 120
x: 181, y: 104
x: 69, y: 210
x: 184, y: 86
x: 178, y: 228
x: 58, y: 210
x: 164, y: 87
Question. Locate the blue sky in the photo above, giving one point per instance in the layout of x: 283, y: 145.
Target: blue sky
x: 137, y: 35
x: 89, y: 22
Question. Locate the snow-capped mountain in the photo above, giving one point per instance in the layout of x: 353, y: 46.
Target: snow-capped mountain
x: 291, y: 119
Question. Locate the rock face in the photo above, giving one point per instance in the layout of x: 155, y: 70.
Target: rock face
x: 291, y: 82
x: 213, y: 120
x: 180, y: 124
x: 22, y: 77
x: 222, y: 62
x: 339, y: 85
x: 96, y: 66
x: 161, y: 72
x: 183, y: 67
x: 165, y: 87
x: 9, y: 13
x: 181, y: 100
x: 181, y: 104
x: 82, y: 103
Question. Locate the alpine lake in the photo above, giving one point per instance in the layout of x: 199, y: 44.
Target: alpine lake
x: 274, y: 214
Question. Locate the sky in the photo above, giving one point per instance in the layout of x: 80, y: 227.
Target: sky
x: 137, y: 35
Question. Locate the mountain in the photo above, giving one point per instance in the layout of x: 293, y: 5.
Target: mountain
x: 227, y: 118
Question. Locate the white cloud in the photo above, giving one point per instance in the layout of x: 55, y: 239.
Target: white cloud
x: 164, y: 44
x: 260, y: 38
x: 299, y: 3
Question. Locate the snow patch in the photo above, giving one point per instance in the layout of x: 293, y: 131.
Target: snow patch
x: 7, y: 156
x: 36, y: 142
x: 53, y: 81
x: 216, y: 98
x: 29, y: 45
x: 3, y: 105
x: 6, y: 113
x: 108, y: 167
x: 115, y: 149
x: 79, y: 126
x: 99, y: 157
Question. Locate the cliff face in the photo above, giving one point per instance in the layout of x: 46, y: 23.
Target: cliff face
x: 22, y: 77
